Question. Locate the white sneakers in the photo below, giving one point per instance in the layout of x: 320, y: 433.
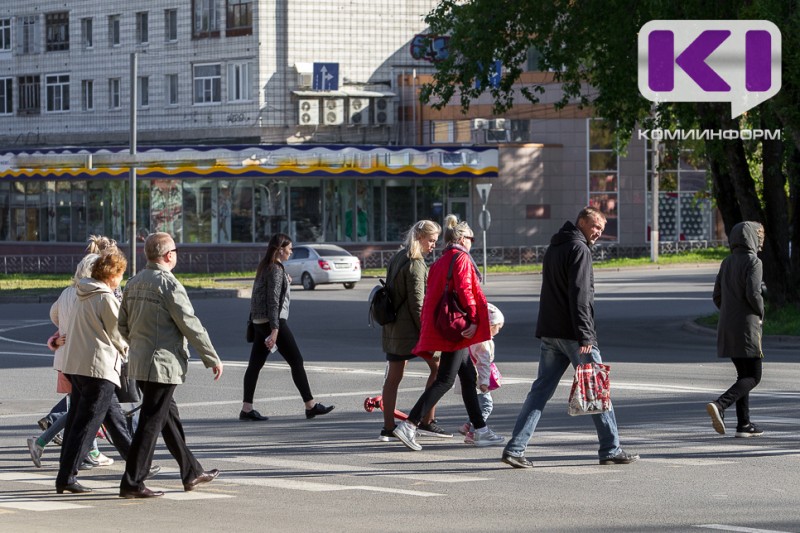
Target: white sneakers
x: 484, y: 438
x: 407, y: 434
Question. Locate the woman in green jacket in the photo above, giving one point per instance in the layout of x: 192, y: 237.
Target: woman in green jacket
x: 407, y: 276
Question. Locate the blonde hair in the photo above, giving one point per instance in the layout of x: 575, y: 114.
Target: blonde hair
x: 84, y: 269
x: 109, y: 265
x: 454, y: 230
x: 423, y: 228
x: 98, y: 243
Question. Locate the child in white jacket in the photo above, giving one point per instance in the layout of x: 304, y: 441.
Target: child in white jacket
x: 482, y: 355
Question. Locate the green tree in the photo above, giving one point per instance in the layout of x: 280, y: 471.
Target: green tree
x: 591, y: 45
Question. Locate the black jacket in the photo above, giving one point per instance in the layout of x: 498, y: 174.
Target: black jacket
x: 269, y: 290
x: 566, y: 306
x: 737, y: 294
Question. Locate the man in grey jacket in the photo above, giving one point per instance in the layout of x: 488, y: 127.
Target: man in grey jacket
x: 566, y: 328
x: 157, y: 320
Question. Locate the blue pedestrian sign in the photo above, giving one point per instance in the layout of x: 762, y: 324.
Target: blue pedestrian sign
x: 326, y: 77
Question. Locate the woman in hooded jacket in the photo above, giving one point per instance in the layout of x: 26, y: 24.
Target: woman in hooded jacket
x: 92, y: 359
x: 457, y: 264
x: 738, y: 296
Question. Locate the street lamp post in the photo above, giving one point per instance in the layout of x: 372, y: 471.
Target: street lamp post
x: 132, y: 169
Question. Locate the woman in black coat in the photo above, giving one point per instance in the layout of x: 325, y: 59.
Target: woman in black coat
x: 737, y: 294
x: 269, y: 310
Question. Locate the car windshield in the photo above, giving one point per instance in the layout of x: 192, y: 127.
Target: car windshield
x: 328, y: 251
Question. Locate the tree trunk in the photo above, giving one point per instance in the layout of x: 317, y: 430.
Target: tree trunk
x: 776, y: 219
x: 721, y: 181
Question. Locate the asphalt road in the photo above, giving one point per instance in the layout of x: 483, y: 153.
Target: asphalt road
x: 331, y: 473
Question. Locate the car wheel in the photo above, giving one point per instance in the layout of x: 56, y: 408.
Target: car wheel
x: 350, y: 285
x: 308, y: 281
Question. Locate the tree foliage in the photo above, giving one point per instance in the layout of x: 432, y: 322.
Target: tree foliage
x: 591, y: 46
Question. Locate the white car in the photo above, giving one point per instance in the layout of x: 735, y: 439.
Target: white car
x: 315, y: 264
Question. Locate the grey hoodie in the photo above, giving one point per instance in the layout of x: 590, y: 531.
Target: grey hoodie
x: 95, y: 347
x: 737, y: 294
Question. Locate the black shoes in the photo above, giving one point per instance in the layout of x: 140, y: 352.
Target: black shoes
x: 516, y: 462
x: 622, y: 458
x: 750, y: 430
x: 717, y: 417
x: 205, y: 477
x: 143, y: 493
x: 318, y: 409
x: 74, y: 488
x: 252, y: 415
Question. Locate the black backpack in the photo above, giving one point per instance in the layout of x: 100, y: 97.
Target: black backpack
x: 381, y: 308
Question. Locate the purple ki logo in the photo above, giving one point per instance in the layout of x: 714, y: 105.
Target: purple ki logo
x: 736, y: 61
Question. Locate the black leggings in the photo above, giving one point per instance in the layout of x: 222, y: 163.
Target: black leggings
x: 290, y: 352
x: 452, y: 364
x: 748, y: 375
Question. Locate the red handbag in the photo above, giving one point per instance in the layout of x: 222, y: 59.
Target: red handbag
x: 451, y: 319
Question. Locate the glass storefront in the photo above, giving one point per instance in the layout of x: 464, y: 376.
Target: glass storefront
x: 224, y: 210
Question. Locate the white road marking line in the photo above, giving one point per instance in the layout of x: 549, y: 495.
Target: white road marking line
x: 97, y: 486
x: 355, y: 470
x: 40, y: 505
x: 309, y: 486
x: 724, y: 527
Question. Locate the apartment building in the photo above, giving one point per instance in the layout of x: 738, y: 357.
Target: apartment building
x: 256, y: 116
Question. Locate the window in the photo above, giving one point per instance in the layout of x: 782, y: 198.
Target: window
x: 441, y: 131
x: 207, y: 84
x: 172, y: 89
x: 143, y: 88
x: 29, y: 95
x: 87, y: 33
x: 87, y: 95
x: 604, y: 175
x: 57, y: 87
x: 238, y: 82
x: 113, y: 30
x: 142, y: 28
x: 170, y: 25
x: 205, y: 20
x: 113, y: 93
x: 5, y: 35
x: 6, y: 96
x: 685, y: 210
x: 239, y: 17
x: 29, y: 35
x: 57, y: 31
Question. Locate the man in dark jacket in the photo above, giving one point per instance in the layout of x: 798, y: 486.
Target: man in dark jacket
x: 566, y: 328
x: 737, y: 294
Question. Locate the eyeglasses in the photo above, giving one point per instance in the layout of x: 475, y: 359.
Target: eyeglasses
x: 471, y: 239
x: 171, y: 251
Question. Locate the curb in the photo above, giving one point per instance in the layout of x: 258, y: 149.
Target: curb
x: 194, y: 294
x: 782, y: 341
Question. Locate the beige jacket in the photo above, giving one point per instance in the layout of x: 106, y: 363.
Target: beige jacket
x: 61, y: 313
x: 158, y: 319
x: 95, y: 347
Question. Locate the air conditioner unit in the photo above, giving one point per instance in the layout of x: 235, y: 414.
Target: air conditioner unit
x: 500, y: 124
x: 384, y: 111
x: 333, y: 111
x: 480, y: 124
x: 358, y: 113
x: 308, y: 112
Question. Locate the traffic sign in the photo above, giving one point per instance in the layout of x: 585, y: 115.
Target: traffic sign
x: 485, y: 220
x: 326, y: 77
x: 483, y: 191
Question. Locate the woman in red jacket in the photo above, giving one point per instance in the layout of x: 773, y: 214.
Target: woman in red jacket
x: 455, y: 358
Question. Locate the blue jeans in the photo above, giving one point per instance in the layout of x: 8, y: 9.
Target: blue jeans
x: 556, y: 356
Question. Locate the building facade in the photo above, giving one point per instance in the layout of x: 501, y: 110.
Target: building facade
x: 273, y: 115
